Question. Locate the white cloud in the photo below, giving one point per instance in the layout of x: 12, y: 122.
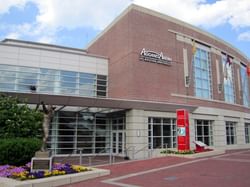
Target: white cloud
x: 13, y: 35
x: 31, y: 30
x: 5, y: 5
x: 78, y: 13
x: 54, y: 15
x: 245, y: 36
x: 198, y: 12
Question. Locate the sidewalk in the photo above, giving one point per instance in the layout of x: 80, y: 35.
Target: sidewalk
x: 230, y: 170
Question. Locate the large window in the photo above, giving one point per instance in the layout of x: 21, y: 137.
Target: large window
x: 245, y: 88
x: 231, y: 132
x: 161, y: 132
x: 43, y: 80
x: 204, y: 131
x: 229, y: 94
x: 71, y: 131
x: 247, y: 132
x: 202, y: 74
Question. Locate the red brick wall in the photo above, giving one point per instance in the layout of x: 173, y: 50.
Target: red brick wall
x: 130, y: 78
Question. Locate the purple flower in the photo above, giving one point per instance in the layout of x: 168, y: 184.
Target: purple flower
x: 28, y: 165
x: 38, y: 174
x: 17, y: 170
x: 4, y: 167
x: 24, y: 171
x: 58, y: 166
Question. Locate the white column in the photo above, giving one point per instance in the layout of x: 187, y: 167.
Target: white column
x: 136, y: 134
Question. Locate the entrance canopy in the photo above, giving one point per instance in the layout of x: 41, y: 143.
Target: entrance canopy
x: 85, y: 102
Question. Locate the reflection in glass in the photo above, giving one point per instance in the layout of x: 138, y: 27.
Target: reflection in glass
x: 202, y: 80
x: 20, y: 79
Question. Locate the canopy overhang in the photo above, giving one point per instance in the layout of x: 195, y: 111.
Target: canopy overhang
x: 61, y: 100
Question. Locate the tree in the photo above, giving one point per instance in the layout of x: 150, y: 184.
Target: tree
x: 18, y: 120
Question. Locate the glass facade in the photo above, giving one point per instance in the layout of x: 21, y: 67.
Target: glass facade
x: 161, y: 133
x: 71, y: 131
x: 50, y: 81
x: 229, y: 94
x: 244, y: 85
x: 231, y: 132
x: 202, y: 74
x: 204, y: 131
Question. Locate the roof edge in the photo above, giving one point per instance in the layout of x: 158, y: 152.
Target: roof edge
x: 6, y: 40
x: 50, y: 47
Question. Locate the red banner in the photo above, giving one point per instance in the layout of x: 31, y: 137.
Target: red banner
x: 183, y: 130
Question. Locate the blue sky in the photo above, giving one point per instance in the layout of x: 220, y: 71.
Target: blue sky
x: 74, y: 23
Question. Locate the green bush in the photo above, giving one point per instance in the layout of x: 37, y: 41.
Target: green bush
x: 18, y: 151
x: 18, y: 120
x: 177, y: 152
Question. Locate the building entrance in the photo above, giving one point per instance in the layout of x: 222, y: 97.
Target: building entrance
x: 118, y: 141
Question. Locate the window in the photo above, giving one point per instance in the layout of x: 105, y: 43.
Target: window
x: 231, y: 132
x: 49, y: 81
x: 245, y: 88
x: 69, y: 82
x: 7, y: 77
x: 247, y: 132
x: 71, y: 131
x: 101, y: 85
x: 229, y: 94
x: 202, y: 74
x: 204, y: 131
x: 161, y: 133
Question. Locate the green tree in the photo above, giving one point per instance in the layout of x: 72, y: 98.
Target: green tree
x: 18, y: 120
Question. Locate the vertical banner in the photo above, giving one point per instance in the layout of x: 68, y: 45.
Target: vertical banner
x: 183, y: 130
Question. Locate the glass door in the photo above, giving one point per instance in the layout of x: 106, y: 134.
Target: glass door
x: 118, y: 142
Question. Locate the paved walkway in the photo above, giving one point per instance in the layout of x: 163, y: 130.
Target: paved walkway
x: 229, y: 170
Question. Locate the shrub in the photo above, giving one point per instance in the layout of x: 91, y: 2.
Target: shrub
x: 177, y: 152
x: 18, y: 151
x: 18, y: 120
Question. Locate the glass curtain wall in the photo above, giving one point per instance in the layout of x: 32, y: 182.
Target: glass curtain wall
x: 71, y: 131
x: 50, y: 81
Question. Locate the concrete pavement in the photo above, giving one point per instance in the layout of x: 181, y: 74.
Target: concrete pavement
x: 228, y: 170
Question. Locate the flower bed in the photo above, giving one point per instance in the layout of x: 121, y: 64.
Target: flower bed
x: 177, y: 152
x: 23, y: 172
x: 184, y: 152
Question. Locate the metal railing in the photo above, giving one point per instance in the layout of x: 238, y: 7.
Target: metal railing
x: 144, y: 149
x: 71, y: 154
x: 91, y: 158
x: 126, y: 151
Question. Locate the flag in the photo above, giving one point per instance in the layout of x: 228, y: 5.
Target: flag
x: 225, y: 71
x: 229, y: 61
x: 227, y: 67
x: 248, y: 70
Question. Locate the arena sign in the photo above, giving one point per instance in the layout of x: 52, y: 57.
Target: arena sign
x: 154, y: 57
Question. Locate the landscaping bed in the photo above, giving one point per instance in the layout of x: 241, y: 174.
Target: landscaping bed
x: 24, y: 172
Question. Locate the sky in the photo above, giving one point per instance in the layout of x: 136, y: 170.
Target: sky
x: 74, y: 23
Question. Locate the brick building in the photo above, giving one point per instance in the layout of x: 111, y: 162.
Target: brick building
x: 120, y: 95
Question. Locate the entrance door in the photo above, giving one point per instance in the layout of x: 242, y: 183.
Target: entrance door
x: 118, y: 142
